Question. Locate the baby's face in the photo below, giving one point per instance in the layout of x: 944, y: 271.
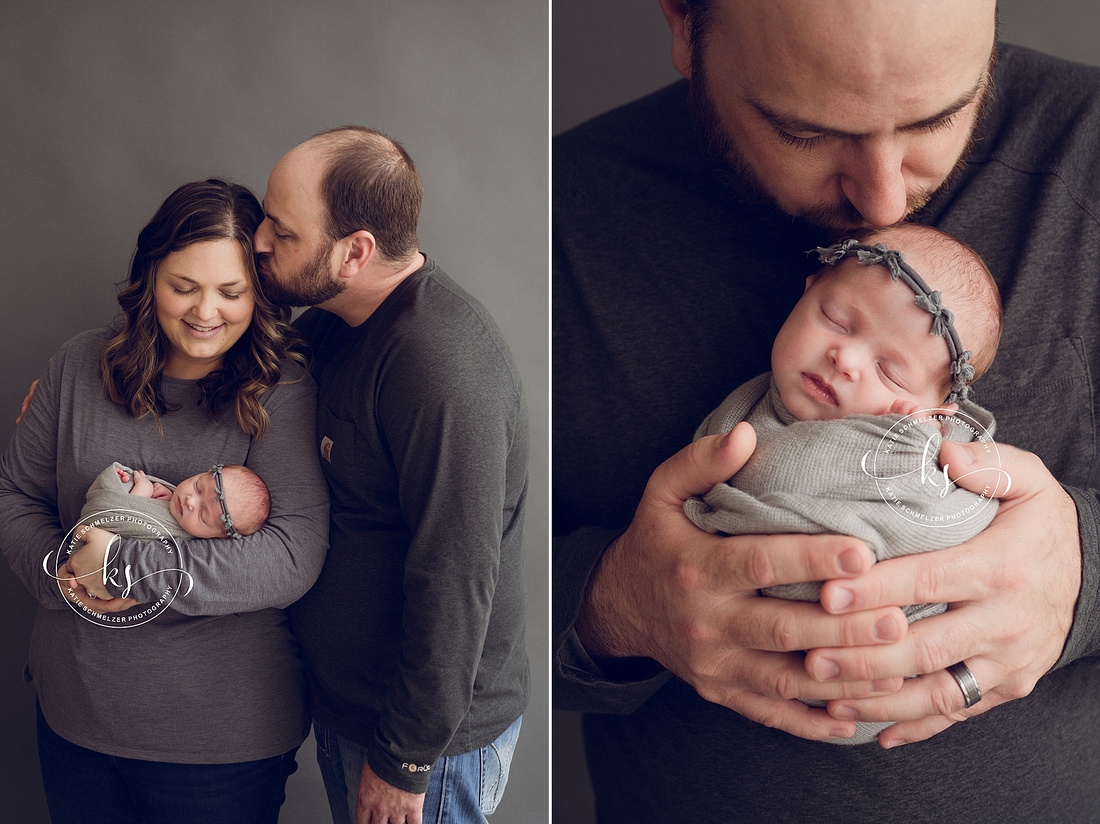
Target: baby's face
x: 854, y: 344
x: 196, y: 509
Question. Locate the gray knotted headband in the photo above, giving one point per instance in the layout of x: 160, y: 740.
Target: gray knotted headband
x: 219, y: 493
x: 943, y: 321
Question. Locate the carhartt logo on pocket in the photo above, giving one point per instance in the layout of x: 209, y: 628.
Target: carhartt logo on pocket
x: 415, y: 768
x: 326, y: 448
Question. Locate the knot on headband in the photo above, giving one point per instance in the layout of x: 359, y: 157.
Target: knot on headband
x: 219, y: 494
x: 942, y: 317
x: 943, y: 321
x: 879, y: 254
x: 962, y: 373
x: 836, y: 252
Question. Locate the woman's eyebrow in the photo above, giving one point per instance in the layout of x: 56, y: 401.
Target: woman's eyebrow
x: 194, y: 282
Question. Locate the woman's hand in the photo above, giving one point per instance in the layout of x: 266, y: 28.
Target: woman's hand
x: 87, y: 564
x: 88, y: 601
x: 78, y: 593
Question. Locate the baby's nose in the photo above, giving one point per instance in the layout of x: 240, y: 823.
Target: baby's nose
x: 846, y: 360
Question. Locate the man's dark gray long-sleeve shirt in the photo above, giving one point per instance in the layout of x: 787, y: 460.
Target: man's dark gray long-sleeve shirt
x: 414, y: 634
x: 667, y: 292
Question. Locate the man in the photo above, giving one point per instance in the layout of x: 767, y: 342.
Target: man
x: 414, y: 633
x: 681, y: 223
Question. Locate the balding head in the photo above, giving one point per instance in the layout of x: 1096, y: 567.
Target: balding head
x: 368, y: 182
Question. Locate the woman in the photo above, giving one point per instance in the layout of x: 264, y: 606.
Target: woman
x: 184, y: 701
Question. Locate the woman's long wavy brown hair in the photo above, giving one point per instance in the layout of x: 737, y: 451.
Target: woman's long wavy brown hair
x: 133, y: 360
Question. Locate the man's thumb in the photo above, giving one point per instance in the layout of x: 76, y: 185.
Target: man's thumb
x: 702, y: 464
x: 976, y: 466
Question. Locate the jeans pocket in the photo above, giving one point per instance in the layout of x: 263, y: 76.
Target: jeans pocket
x: 323, y: 739
x: 496, y: 760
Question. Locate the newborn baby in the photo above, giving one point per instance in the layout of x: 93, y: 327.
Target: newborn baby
x: 224, y: 502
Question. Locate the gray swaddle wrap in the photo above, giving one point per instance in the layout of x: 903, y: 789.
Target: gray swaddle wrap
x: 109, y: 492
x: 810, y: 477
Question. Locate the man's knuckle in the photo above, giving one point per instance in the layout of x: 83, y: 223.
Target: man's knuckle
x: 699, y: 635
x: 858, y: 669
x: 1016, y: 688
x: 854, y: 631
x: 928, y: 656
x: 945, y: 702
x: 708, y: 691
x: 784, y: 633
x: 771, y: 718
x: 1009, y: 578
x: 759, y: 566
x: 1035, y: 465
x: 787, y: 685
x: 931, y: 580
x: 687, y: 577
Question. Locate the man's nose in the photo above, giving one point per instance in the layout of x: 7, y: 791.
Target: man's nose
x: 262, y: 239
x: 873, y: 180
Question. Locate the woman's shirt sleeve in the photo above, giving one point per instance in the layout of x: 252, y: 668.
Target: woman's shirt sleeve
x: 275, y: 566
x: 29, y: 524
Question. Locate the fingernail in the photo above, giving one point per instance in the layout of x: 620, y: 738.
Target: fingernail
x: 886, y: 630
x: 894, y: 742
x: 840, y: 598
x: 883, y: 685
x: 850, y: 561
x: 840, y: 733
x: 824, y: 669
x: 845, y: 713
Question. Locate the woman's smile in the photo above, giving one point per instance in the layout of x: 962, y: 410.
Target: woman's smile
x: 204, y: 331
x: 204, y: 304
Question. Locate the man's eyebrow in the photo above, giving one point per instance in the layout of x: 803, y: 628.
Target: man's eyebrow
x: 271, y: 217
x: 794, y: 125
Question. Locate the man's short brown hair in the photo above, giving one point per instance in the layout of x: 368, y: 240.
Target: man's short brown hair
x: 370, y: 183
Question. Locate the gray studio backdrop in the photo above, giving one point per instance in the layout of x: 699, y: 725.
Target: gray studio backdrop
x: 608, y: 52
x: 107, y: 106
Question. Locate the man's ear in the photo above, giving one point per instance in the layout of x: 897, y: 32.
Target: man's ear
x: 677, y: 17
x: 358, y: 250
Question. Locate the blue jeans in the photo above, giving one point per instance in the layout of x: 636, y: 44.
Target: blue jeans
x: 463, y: 789
x: 83, y: 785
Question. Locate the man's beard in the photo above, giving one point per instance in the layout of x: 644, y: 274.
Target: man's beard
x: 747, y: 185
x: 309, y: 286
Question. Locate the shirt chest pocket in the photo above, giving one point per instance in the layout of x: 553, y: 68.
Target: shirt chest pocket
x: 336, y: 442
x: 1041, y: 395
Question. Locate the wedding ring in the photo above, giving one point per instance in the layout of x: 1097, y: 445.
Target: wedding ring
x: 972, y: 693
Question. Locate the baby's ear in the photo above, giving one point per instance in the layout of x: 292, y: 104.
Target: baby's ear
x: 952, y: 408
x: 809, y: 282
